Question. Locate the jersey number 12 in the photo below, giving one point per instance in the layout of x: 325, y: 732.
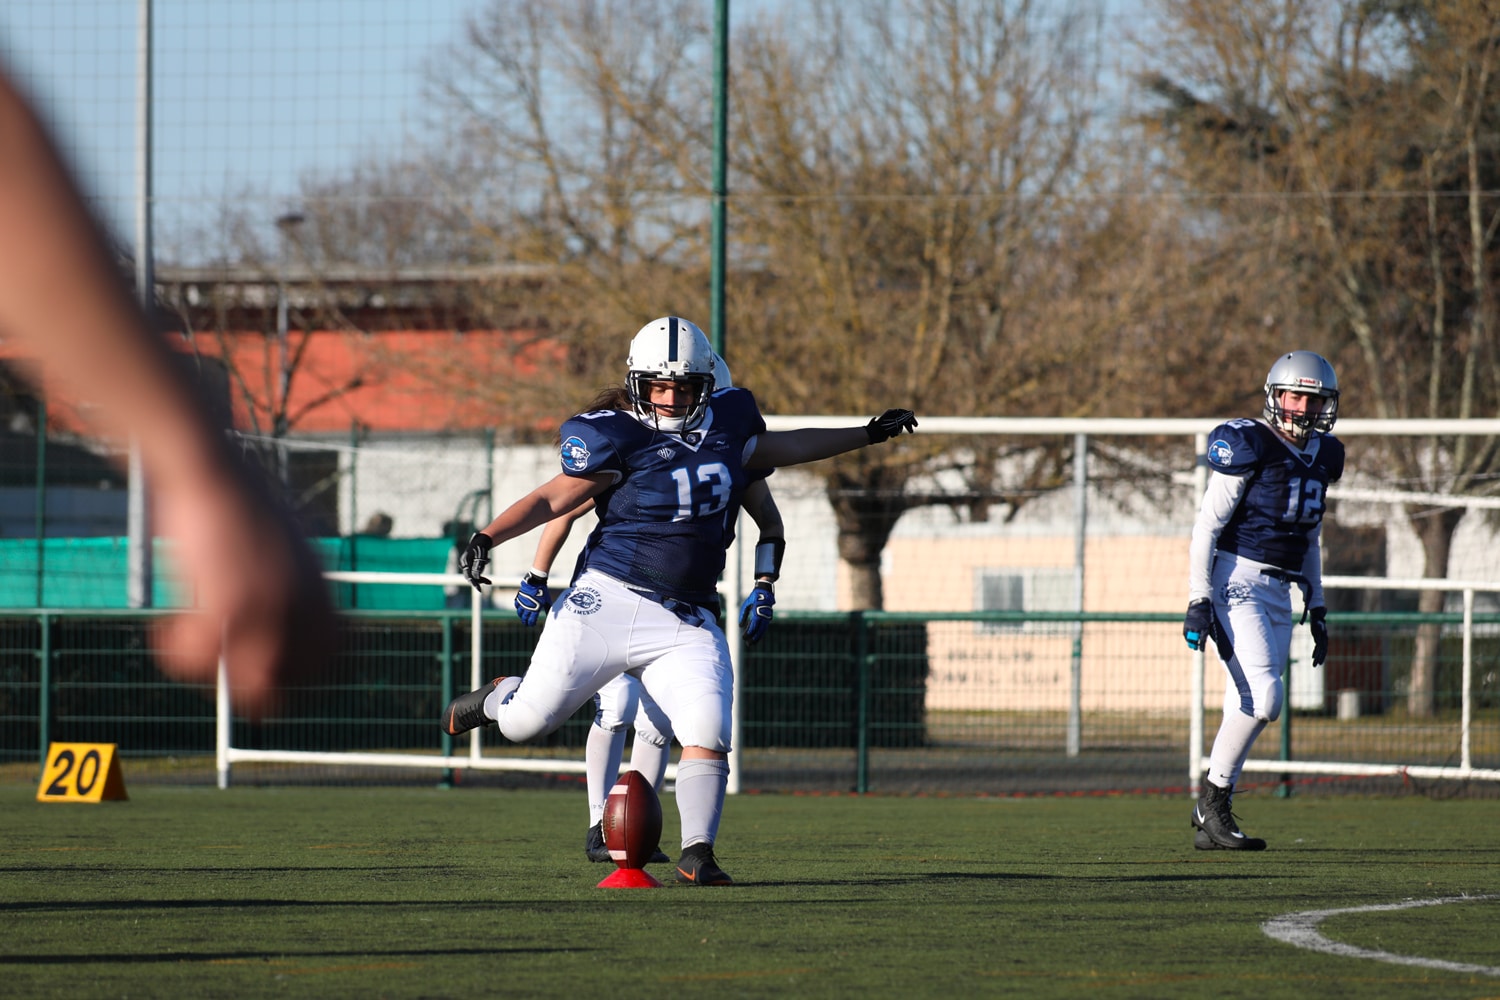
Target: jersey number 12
x: 1304, y: 501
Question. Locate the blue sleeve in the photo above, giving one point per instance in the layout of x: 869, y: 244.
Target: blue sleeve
x: 589, y: 443
x: 1334, y: 457
x: 738, y: 407
x: 1234, y: 448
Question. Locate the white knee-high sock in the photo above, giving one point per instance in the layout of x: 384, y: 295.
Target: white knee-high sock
x: 650, y: 759
x: 1237, y: 735
x: 601, y: 767
x: 701, y: 783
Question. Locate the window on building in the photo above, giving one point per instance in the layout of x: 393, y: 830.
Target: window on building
x: 1022, y: 589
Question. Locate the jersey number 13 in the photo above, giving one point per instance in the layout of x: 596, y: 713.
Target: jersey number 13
x: 713, y: 484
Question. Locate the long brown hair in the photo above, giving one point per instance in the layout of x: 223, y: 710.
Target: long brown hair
x: 611, y: 397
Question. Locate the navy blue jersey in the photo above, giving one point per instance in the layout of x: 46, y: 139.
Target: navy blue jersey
x: 1286, y: 492
x: 665, y: 523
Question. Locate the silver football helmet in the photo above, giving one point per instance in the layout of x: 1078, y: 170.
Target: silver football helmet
x: 675, y: 350
x: 1305, y: 372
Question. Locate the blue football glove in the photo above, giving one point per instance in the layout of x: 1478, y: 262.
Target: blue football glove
x: 1198, y: 624
x: 1317, y: 621
x: 532, y: 599
x: 475, y: 557
x: 757, y: 611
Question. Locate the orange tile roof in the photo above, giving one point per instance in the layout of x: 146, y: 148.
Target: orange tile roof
x: 401, y: 380
x: 393, y: 381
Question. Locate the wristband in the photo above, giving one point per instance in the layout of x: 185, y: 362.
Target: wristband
x: 534, y: 577
x: 768, y: 555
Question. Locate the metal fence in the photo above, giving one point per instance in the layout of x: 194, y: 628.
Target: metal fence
x: 983, y: 678
x: 828, y: 703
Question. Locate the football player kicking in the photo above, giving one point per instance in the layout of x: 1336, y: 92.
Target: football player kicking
x: 1257, y: 535
x: 621, y: 703
x: 666, y: 479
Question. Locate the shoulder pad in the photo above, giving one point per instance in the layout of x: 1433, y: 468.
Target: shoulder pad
x: 1333, y: 456
x: 592, y: 442
x: 1235, y: 448
x: 738, y: 405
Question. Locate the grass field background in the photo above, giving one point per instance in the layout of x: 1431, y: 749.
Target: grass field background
x: 466, y: 892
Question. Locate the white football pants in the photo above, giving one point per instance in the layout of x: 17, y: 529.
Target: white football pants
x: 1254, y: 624
x: 604, y: 629
x: 622, y: 702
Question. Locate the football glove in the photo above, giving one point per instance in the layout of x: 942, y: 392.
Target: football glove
x: 1317, y: 621
x: 1198, y: 624
x: 474, y: 558
x: 890, y: 424
x: 757, y: 611
x: 532, y: 599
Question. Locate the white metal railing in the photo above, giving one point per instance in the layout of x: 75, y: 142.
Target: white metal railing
x: 1465, y: 767
x: 227, y: 755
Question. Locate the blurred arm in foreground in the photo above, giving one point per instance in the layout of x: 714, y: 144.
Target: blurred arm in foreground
x: 256, y: 582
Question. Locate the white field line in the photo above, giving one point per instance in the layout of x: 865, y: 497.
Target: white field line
x: 1301, y: 930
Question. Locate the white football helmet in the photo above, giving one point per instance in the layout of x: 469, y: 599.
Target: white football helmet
x: 671, y: 349
x: 722, y: 379
x: 1306, y: 372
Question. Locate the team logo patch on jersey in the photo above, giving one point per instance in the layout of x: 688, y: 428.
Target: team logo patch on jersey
x: 575, y: 454
x: 1219, y: 453
x: 585, y: 600
x: 666, y: 452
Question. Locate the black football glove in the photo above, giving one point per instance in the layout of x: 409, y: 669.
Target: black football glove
x: 1317, y: 621
x: 474, y: 558
x: 756, y: 612
x: 890, y: 424
x: 1198, y: 624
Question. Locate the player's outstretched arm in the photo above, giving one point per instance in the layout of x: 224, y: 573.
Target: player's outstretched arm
x: 557, y: 496
x: 256, y: 585
x: 811, y: 444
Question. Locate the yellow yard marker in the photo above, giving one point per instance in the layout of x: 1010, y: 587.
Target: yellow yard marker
x: 81, y: 772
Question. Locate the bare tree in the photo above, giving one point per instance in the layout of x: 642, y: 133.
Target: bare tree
x: 914, y: 223
x: 910, y: 202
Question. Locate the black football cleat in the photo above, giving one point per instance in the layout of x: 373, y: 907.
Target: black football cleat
x: 593, y: 847
x: 466, y: 712
x: 1215, y: 825
x: 698, y: 867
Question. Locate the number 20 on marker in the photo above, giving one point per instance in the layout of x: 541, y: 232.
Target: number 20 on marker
x: 81, y: 772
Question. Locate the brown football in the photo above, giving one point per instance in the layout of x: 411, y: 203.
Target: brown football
x: 632, y: 821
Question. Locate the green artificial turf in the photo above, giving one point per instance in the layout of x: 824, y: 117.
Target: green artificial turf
x: 414, y: 892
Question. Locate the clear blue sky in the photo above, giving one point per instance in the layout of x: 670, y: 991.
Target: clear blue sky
x: 249, y: 94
